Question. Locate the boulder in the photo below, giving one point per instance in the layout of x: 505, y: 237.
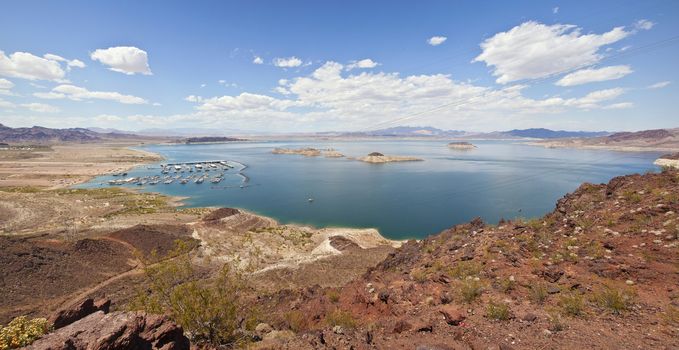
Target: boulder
x: 116, y: 330
x: 452, y: 314
x: 86, y: 307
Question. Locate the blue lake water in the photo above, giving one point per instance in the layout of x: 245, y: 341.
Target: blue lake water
x: 499, y: 179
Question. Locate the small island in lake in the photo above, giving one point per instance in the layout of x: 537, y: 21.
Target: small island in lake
x: 211, y: 139
x: 461, y: 145
x: 309, y: 152
x: 376, y: 157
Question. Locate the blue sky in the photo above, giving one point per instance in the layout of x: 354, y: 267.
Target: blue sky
x: 341, y: 65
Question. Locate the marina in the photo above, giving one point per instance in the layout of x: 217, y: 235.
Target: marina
x: 182, y: 173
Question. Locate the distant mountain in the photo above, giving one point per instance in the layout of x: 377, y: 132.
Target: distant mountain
x: 541, y: 133
x: 652, y: 140
x: 39, y: 134
x: 414, y: 131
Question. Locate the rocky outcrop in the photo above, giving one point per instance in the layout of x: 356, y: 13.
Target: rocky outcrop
x: 668, y: 160
x: 116, y: 330
x: 69, y: 315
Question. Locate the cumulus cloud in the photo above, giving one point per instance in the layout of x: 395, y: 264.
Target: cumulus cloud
x: 591, y: 75
x: 40, y: 107
x: 436, y: 40
x: 659, y: 85
x: 69, y: 63
x: 25, y: 65
x: 289, y: 62
x: 5, y: 87
x: 257, y: 60
x: 363, y: 64
x: 329, y: 97
x: 533, y: 50
x: 643, y: 24
x: 123, y: 59
x: 77, y: 93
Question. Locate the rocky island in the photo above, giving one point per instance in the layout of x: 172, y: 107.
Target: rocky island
x: 461, y: 145
x: 309, y: 152
x: 377, y: 157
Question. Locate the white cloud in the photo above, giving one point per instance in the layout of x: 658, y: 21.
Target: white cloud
x: 5, y: 87
x: 25, y: 65
x: 69, y: 63
x: 6, y: 104
x: 76, y: 93
x: 555, y: 10
x: 659, y: 85
x: 533, y: 50
x: 76, y: 63
x: 330, y: 98
x: 591, y: 75
x: 123, y: 59
x: 621, y: 105
x: 40, y: 107
x: 643, y: 24
x: 288, y: 62
x: 436, y: 40
x: 257, y: 60
x: 363, y: 64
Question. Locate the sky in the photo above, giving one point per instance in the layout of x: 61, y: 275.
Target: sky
x: 307, y: 66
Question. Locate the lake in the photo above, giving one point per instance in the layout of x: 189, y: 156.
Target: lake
x: 499, y: 179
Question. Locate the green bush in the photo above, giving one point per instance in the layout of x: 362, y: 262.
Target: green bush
x: 470, y: 290
x: 572, y: 304
x: 498, y: 311
x: 210, y: 311
x: 22, y: 331
x: 538, y: 293
x: 615, y: 300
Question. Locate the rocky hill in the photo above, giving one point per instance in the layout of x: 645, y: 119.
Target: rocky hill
x: 652, y: 140
x: 39, y: 134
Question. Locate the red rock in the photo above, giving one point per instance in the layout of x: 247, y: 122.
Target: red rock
x: 452, y: 314
x: 117, y: 330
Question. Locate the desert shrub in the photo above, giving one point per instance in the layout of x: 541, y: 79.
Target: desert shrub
x: 556, y: 322
x: 572, y: 304
x: 22, y: 331
x: 211, y: 311
x: 341, y: 318
x: 296, y: 321
x: 419, y: 275
x: 333, y: 296
x: 538, y: 293
x: 464, y: 269
x: 507, y: 284
x: 615, y: 300
x: 632, y: 196
x: 470, y: 289
x: 498, y: 311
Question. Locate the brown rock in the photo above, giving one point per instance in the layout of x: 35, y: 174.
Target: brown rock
x: 86, y: 307
x: 452, y: 314
x: 117, y: 330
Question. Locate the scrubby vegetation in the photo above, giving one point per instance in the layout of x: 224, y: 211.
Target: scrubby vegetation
x: 22, y: 331
x: 212, y: 311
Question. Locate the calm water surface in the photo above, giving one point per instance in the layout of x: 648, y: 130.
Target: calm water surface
x: 499, y: 179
